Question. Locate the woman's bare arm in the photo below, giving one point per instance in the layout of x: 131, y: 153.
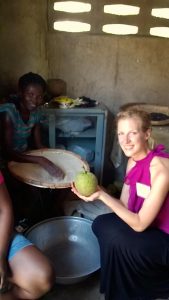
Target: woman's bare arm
x: 48, y: 165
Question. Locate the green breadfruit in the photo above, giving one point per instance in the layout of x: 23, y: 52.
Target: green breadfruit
x: 86, y: 183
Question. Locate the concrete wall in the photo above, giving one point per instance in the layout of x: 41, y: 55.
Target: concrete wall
x: 22, y: 40
x: 113, y: 70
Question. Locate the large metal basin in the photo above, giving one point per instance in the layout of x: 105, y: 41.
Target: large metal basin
x: 70, y: 244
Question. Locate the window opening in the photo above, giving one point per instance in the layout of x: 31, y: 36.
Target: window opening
x: 121, y: 9
x: 160, y: 31
x: 116, y: 17
x: 120, y: 29
x: 71, y: 26
x: 160, y: 12
x: 72, y: 6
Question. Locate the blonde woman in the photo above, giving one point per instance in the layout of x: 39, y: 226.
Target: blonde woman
x: 134, y: 238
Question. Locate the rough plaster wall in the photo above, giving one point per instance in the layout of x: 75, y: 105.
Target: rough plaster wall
x: 113, y: 70
x: 23, y: 26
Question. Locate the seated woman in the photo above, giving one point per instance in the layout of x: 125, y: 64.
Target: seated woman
x: 22, y: 266
x: 134, y: 238
x: 21, y: 123
x: 20, y: 132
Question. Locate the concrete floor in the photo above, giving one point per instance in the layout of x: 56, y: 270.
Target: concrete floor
x: 86, y: 290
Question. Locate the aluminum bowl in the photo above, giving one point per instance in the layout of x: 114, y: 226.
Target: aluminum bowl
x: 70, y: 244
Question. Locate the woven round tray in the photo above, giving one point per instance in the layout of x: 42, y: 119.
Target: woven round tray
x: 35, y: 175
x: 153, y: 110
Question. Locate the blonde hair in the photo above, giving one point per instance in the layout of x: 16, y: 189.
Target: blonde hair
x: 135, y: 113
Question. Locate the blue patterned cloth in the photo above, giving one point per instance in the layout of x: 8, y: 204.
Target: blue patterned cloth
x: 22, y: 130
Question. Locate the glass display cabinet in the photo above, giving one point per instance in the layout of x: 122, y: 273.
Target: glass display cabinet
x: 80, y: 130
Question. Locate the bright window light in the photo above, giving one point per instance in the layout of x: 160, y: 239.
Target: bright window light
x: 71, y: 26
x: 121, y: 9
x: 160, y: 31
x: 160, y: 12
x: 120, y: 29
x: 72, y: 6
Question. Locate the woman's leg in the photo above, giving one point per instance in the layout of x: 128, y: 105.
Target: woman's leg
x: 31, y: 273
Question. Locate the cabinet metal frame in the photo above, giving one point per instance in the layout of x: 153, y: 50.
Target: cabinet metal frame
x: 100, y: 113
